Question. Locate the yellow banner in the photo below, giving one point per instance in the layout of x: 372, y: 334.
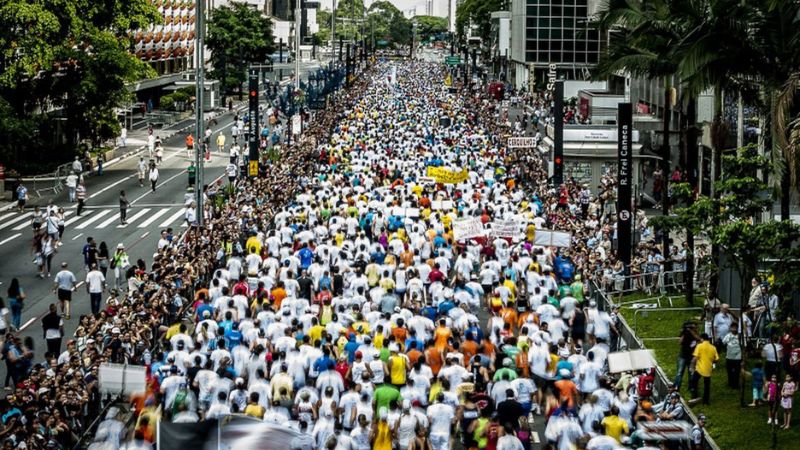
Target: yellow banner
x: 442, y: 175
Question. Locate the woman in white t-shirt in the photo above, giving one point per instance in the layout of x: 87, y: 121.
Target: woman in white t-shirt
x: 3, y: 317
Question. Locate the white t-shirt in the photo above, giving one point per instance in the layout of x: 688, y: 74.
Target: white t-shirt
x: 440, y: 416
x: 95, y: 280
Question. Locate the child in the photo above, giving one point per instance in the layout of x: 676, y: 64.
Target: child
x: 757, y: 383
x: 772, y: 399
x: 787, y: 392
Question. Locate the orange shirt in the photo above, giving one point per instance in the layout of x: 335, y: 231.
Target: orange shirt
x: 441, y: 335
x: 566, y: 391
x: 509, y: 317
x: 434, y: 359
x: 413, y: 356
x: 400, y: 335
x: 278, y: 294
x: 469, y: 348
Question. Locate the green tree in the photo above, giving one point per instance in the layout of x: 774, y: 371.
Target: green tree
x: 64, y: 66
x: 477, y: 13
x: 430, y: 26
x: 323, y: 36
x: 389, y: 24
x: 238, y: 34
x: 731, y: 221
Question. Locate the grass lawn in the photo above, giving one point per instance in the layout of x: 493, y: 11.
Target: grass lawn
x: 731, y: 426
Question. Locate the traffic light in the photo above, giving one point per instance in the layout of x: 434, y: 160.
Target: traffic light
x: 558, y: 169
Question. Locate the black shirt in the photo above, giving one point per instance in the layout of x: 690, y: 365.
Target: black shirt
x: 51, y: 321
x: 305, y: 287
x: 509, y: 412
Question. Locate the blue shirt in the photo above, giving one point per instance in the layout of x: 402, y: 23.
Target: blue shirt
x: 306, y: 257
x: 233, y: 338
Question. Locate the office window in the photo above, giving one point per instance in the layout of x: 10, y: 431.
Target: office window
x: 544, y: 11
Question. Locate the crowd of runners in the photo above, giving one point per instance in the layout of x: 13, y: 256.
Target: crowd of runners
x: 333, y: 297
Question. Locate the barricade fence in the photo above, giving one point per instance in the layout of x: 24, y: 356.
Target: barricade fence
x: 628, y: 340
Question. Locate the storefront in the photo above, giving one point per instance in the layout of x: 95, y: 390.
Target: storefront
x: 591, y: 152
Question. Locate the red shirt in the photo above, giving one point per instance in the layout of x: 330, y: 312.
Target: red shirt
x: 435, y: 275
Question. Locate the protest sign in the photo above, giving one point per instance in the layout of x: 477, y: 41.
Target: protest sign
x: 550, y: 238
x: 441, y: 204
x: 505, y: 229
x: 630, y: 361
x: 467, y: 228
x: 446, y: 176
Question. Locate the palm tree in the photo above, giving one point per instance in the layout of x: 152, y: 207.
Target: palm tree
x: 777, y: 33
x: 645, y: 38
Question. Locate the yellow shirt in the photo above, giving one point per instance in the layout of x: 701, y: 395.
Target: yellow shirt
x: 315, y: 333
x: 615, y: 426
x: 398, y: 370
x: 253, y: 243
x: 706, y: 355
x: 378, y: 340
x: 254, y: 410
x: 173, y: 330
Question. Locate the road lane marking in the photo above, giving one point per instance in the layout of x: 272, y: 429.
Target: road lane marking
x: 93, y: 219
x: 173, y: 218
x: 76, y: 218
x: 10, y: 238
x: 28, y: 323
x: 108, y: 221
x: 7, y: 216
x: 536, y: 437
x: 15, y: 220
x: 111, y: 186
x: 153, y: 218
x: 134, y: 217
x: 76, y: 237
x: 21, y: 226
x: 130, y: 246
x: 159, y: 185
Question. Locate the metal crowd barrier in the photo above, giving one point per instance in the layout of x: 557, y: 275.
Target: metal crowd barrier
x: 627, y: 340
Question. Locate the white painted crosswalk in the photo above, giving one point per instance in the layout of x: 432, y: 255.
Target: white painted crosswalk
x: 103, y: 218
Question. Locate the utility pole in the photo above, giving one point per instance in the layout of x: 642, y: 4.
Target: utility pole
x: 333, y: 31
x: 200, y: 31
x: 298, y: 12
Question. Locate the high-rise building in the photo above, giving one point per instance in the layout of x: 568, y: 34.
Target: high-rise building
x: 553, y: 32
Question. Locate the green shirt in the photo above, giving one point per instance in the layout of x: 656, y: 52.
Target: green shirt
x: 577, y: 290
x: 384, y: 395
x: 512, y: 375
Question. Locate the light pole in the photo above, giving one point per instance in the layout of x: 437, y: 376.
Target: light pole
x: 298, y: 12
x: 200, y: 31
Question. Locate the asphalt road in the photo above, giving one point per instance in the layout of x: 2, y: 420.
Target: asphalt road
x: 150, y: 212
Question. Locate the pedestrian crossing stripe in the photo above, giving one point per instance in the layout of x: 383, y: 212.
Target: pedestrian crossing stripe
x: 134, y: 217
x: 103, y: 218
x: 8, y: 223
x: 96, y: 217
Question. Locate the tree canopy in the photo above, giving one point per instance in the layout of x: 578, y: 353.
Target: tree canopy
x: 390, y: 24
x: 64, y: 65
x: 477, y: 13
x: 238, y: 34
x: 430, y: 26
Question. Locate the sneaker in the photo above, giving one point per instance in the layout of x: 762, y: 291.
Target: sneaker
x: 769, y: 421
x: 66, y: 317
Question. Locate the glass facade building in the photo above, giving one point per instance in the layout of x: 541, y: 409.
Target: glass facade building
x: 554, y: 31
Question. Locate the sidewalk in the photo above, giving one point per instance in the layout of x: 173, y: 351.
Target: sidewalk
x: 136, y: 143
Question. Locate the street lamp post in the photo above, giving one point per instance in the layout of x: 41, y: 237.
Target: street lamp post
x: 200, y: 31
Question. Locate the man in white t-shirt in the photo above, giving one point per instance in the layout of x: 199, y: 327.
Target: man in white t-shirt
x: 95, y: 285
x: 441, y: 417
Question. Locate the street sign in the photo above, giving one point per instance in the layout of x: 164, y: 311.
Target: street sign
x: 253, y: 168
x: 297, y: 124
x: 521, y: 142
x: 452, y: 60
x: 252, y: 126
